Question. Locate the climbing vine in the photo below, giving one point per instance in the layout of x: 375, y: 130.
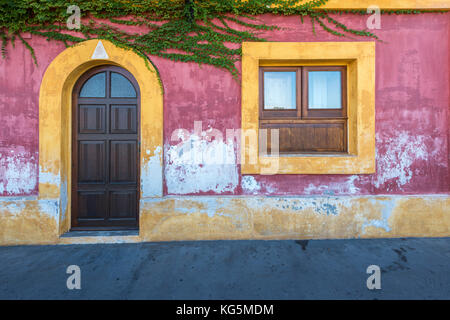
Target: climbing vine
x: 198, y: 31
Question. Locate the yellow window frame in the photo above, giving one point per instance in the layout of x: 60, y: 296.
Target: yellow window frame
x: 359, y: 57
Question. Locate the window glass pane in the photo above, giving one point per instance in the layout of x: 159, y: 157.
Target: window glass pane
x: 324, y: 90
x: 279, y: 90
x: 94, y: 87
x: 121, y: 87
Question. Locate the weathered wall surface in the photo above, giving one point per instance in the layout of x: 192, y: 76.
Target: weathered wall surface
x: 412, y: 150
x: 198, y: 218
x: 20, y: 82
x: 412, y: 99
x: 411, y: 116
x: 208, y: 217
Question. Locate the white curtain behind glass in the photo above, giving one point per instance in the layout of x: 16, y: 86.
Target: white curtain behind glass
x: 324, y: 90
x: 279, y: 90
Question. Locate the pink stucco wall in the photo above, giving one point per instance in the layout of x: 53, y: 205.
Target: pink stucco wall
x: 412, y: 115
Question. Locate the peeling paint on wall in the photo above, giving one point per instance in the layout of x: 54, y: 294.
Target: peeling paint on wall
x: 50, y: 208
x: 25, y: 221
x: 195, y: 218
x: 28, y: 221
x: 197, y: 165
x: 14, y: 208
x: 320, y: 205
x: 386, y: 212
x: 64, y: 200
x: 151, y: 175
x: 250, y: 185
x: 334, y: 188
x: 395, y: 164
x: 17, y: 173
x: 48, y: 177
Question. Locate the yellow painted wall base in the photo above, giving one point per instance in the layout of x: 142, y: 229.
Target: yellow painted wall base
x: 25, y: 221
x: 28, y: 221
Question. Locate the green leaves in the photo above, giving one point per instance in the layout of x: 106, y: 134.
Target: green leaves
x: 29, y: 48
x: 4, y: 43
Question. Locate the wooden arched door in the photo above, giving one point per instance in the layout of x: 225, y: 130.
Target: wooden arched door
x: 105, y: 150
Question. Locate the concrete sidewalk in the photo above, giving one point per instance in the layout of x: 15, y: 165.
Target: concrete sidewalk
x: 315, y: 269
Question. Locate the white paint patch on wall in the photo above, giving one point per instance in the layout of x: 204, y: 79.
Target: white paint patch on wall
x: 152, y: 175
x: 48, y: 177
x: 18, y: 173
x: 250, y: 185
x: 50, y: 208
x: 210, y: 206
x: 197, y: 165
x: 386, y: 212
x: 16, y: 208
x: 402, y: 150
x: 64, y: 199
x: 347, y: 187
x: 330, y: 206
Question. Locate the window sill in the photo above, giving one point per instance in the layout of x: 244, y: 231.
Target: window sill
x: 318, y: 154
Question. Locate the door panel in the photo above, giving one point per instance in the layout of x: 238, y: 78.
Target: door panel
x: 92, y: 162
x: 92, y: 119
x: 123, y: 162
x: 92, y: 205
x: 122, y: 204
x: 105, y: 154
x: 123, y: 119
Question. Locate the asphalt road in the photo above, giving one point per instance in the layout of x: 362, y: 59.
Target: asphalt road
x: 315, y: 269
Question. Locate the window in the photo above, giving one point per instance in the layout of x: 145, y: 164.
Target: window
x: 307, y: 105
x: 321, y: 98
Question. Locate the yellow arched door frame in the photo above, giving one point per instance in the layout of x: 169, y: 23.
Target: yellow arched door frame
x: 55, y: 120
